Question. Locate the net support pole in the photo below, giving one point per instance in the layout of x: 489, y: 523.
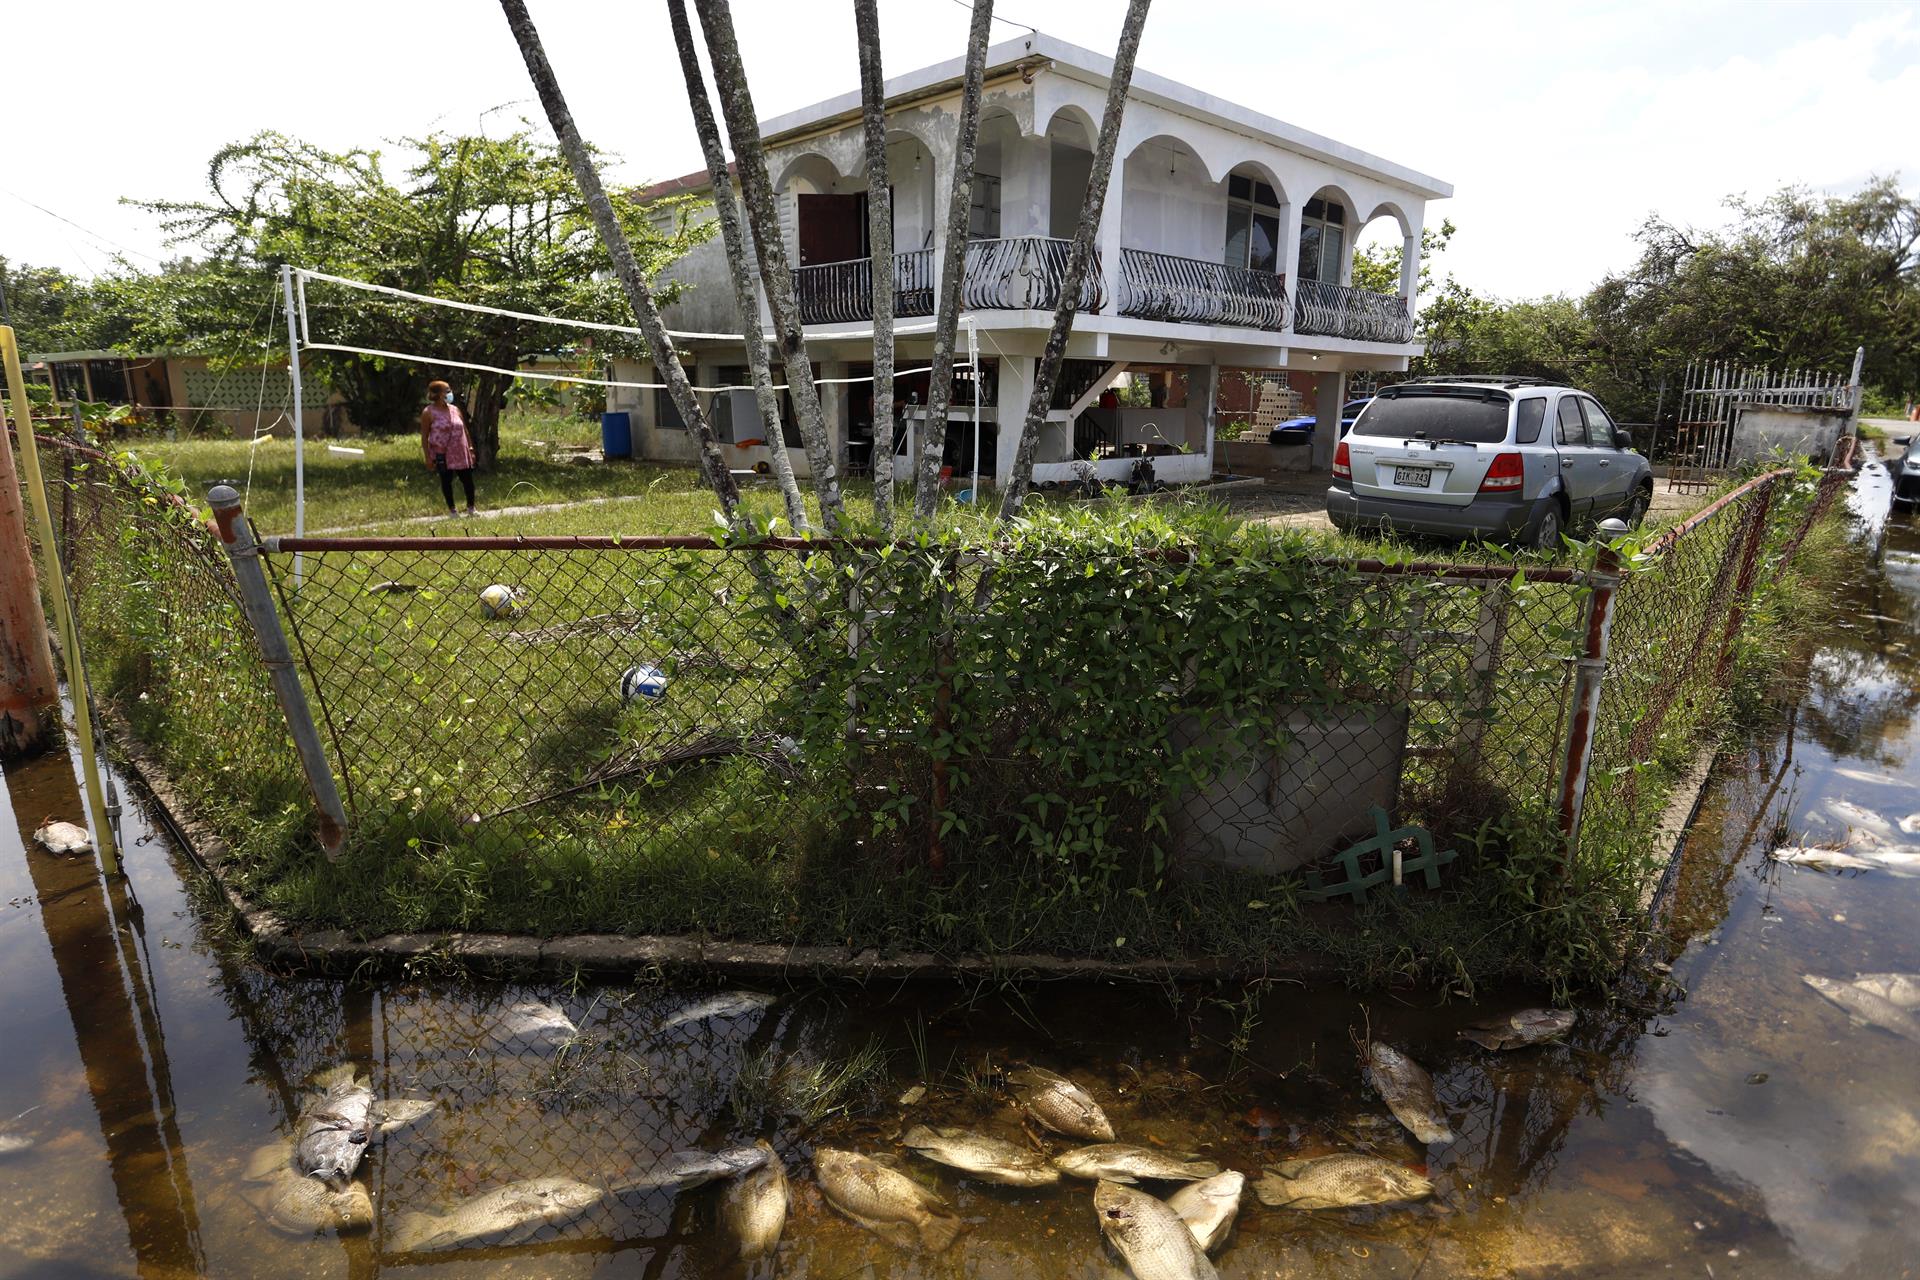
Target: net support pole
x: 56, y: 585
x: 973, y: 359
x: 1591, y: 666
x: 299, y: 419
x: 236, y: 535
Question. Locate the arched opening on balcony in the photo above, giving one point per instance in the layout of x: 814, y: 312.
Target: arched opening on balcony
x: 1169, y: 203
x: 1386, y: 238
x: 1328, y: 301
x: 1069, y: 135
x: 1326, y: 237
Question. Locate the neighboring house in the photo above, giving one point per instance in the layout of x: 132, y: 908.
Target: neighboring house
x: 1226, y: 246
x: 197, y: 395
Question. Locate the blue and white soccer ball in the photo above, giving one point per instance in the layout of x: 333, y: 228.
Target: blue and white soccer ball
x: 643, y: 680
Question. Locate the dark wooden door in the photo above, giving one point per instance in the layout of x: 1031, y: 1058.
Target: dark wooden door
x: 832, y: 228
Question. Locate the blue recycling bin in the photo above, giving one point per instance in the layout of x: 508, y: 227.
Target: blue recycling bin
x: 616, y: 435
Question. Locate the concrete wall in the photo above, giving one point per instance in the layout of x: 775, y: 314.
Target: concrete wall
x: 1796, y: 431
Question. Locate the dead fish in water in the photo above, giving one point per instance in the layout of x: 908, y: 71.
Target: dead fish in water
x: 1059, y: 1104
x: 728, y: 1004
x: 1209, y: 1206
x: 1910, y: 824
x: 1902, y: 989
x: 391, y: 1115
x: 530, y: 1022
x: 56, y: 836
x: 1124, y: 1162
x: 332, y: 1133
x: 1855, y: 815
x: 1338, y: 1182
x: 685, y: 1170
x: 754, y: 1208
x: 1155, y: 1241
x: 1518, y: 1030
x: 1821, y: 859
x: 300, y: 1205
x: 1866, y: 1006
x: 884, y: 1200
x: 505, y: 1215
x: 987, y: 1158
x: 1408, y: 1091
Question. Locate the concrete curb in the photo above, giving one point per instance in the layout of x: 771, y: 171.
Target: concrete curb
x: 500, y: 955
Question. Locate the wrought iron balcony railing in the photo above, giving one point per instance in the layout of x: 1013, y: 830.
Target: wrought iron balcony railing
x: 1160, y: 286
x: 839, y: 292
x: 1344, y: 311
x: 1023, y: 273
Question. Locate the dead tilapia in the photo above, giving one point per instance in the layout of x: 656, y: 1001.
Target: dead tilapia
x: 1339, y: 1181
x: 300, y: 1205
x: 754, y: 1208
x: 1518, y: 1030
x: 728, y: 1004
x: 1408, y: 1091
x: 1820, y: 859
x: 1865, y: 1005
x: 990, y: 1159
x: 684, y: 1170
x: 532, y: 1023
x: 56, y: 836
x: 1155, y: 1241
x: 885, y: 1201
x: 1902, y: 989
x: 1124, y: 1162
x: 332, y: 1133
x: 394, y: 1114
x: 1059, y: 1104
x: 1209, y: 1206
x: 505, y: 1215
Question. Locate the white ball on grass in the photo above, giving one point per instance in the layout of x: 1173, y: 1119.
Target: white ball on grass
x: 499, y: 601
x: 643, y: 680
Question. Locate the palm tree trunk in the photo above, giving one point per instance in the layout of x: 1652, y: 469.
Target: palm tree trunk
x: 746, y: 302
x: 953, y: 267
x: 873, y: 112
x: 713, y: 466
x: 743, y: 128
x: 1047, y: 371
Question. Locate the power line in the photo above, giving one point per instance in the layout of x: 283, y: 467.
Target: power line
x: 90, y: 234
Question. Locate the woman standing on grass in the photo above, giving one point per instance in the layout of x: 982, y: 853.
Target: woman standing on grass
x: 446, y: 444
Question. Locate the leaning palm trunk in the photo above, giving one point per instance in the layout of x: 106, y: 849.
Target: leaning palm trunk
x: 1048, y: 370
x: 953, y: 267
x: 873, y: 112
x: 743, y: 127
x: 713, y: 467
x: 745, y: 301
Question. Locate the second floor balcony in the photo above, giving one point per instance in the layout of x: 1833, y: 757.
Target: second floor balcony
x: 1347, y: 311
x: 1019, y: 273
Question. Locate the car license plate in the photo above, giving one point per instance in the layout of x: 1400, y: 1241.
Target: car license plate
x: 1413, y: 477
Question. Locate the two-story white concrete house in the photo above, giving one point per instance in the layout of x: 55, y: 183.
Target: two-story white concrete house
x: 1226, y: 247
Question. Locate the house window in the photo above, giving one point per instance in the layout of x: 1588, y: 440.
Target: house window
x: 1253, y: 225
x: 1323, y: 241
x: 983, y: 214
x: 666, y: 414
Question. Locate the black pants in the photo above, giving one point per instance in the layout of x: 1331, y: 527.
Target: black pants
x: 446, y: 482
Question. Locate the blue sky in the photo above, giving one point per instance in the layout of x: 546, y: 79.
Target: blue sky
x: 1561, y: 126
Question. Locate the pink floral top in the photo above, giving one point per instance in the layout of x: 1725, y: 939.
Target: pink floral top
x: 447, y: 434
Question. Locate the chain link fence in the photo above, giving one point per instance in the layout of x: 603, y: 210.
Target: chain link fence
x: 671, y: 734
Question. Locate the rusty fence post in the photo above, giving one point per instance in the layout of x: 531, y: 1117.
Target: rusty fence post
x: 237, y: 536
x: 1743, y: 586
x: 1604, y: 579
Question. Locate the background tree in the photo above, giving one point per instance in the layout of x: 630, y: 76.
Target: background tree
x: 39, y: 300
x: 497, y: 221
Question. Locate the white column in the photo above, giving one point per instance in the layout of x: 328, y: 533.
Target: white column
x: 1329, y: 394
x: 942, y: 160
x: 1290, y: 255
x: 833, y: 408
x: 1016, y: 388
x: 1108, y: 237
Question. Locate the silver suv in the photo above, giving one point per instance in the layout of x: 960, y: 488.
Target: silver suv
x: 1489, y: 457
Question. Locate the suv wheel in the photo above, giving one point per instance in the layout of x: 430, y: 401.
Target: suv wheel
x: 1547, y: 536
x: 1636, y: 509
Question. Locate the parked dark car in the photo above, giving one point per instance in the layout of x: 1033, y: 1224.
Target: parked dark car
x: 1300, y: 430
x: 1905, y: 467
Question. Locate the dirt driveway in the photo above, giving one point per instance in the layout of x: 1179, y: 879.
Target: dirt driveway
x: 1299, y: 501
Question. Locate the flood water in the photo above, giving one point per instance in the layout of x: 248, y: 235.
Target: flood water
x: 1736, y: 1124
